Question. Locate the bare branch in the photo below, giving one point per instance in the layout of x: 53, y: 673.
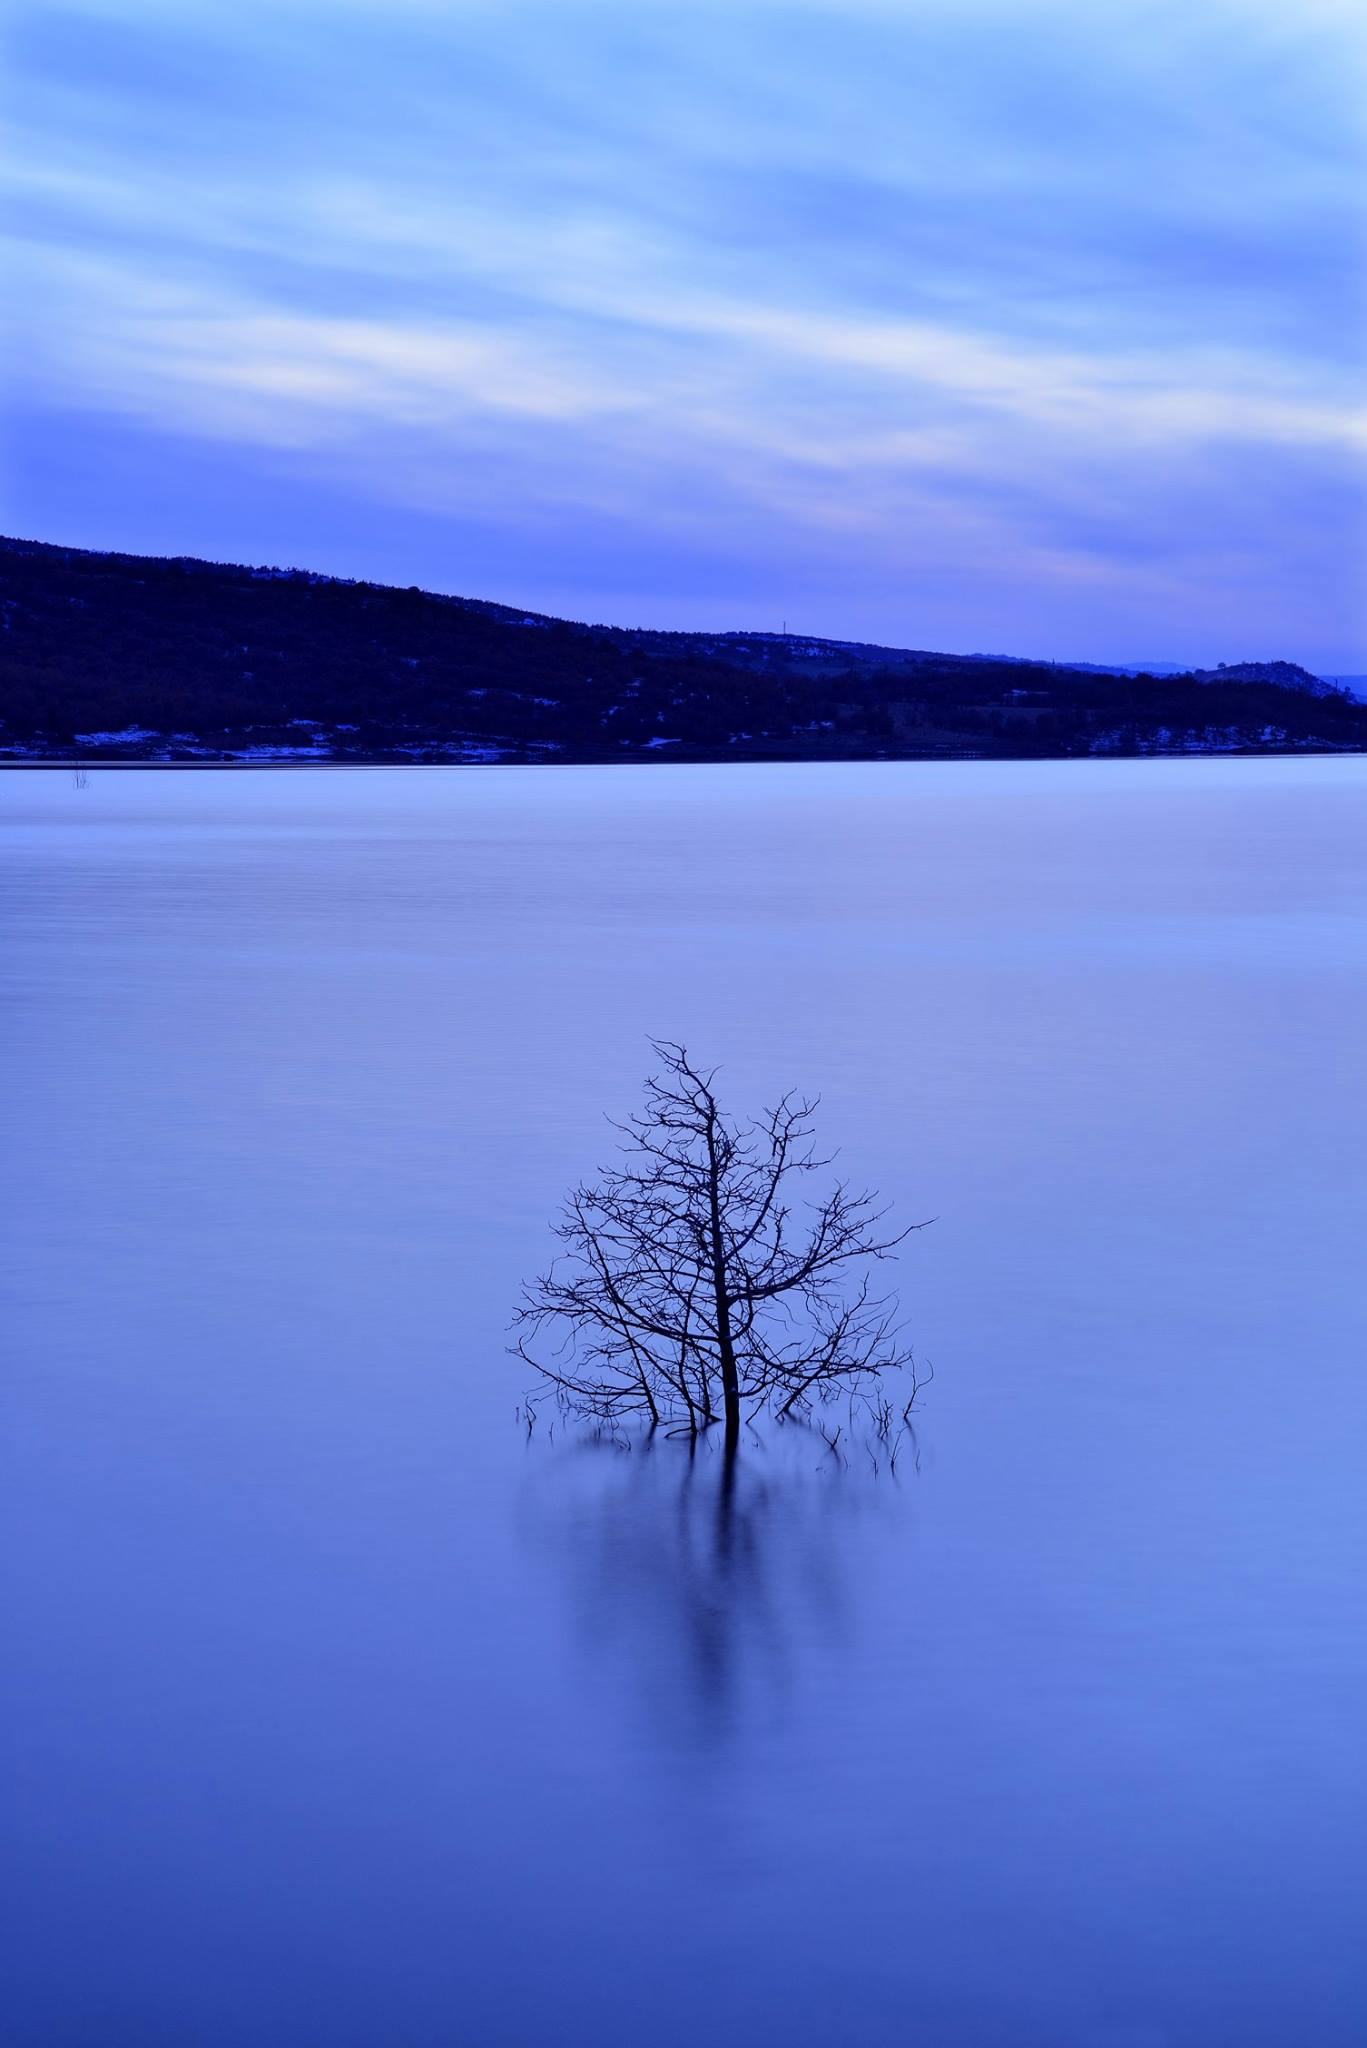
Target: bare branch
x: 690, y: 1285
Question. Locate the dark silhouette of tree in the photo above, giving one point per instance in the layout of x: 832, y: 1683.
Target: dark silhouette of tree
x: 695, y: 1285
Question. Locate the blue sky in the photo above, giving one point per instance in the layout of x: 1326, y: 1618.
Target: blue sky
x: 1034, y: 327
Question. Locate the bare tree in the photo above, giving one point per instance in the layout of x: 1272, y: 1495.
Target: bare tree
x: 690, y: 1288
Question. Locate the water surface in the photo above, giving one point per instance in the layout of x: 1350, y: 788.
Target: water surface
x: 343, y: 1715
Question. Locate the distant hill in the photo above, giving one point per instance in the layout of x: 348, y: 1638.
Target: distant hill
x: 1285, y: 674
x: 124, y: 657
x: 1351, y: 686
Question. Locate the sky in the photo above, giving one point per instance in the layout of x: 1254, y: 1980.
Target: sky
x: 1026, y: 326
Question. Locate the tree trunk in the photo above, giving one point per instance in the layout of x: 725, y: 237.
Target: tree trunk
x: 730, y: 1384
x: 726, y: 1350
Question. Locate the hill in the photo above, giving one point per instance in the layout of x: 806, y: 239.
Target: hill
x: 125, y: 657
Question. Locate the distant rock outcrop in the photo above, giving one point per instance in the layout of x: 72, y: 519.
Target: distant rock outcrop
x: 1283, y: 675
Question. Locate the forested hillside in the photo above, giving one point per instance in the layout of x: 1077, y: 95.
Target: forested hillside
x: 106, y: 656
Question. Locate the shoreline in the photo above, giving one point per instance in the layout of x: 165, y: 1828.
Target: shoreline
x: 74, y: 764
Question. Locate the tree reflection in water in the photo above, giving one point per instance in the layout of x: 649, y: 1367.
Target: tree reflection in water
x: 701, y: 1572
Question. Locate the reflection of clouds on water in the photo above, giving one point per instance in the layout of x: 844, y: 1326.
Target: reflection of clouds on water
x: 701, y: 1575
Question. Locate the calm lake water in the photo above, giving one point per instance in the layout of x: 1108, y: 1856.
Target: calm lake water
x: 340, y: 1714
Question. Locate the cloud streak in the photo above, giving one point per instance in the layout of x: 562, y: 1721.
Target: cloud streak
x: 1048, y: 334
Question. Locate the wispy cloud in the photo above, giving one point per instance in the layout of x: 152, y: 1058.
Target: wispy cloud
x: 974, y: 323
